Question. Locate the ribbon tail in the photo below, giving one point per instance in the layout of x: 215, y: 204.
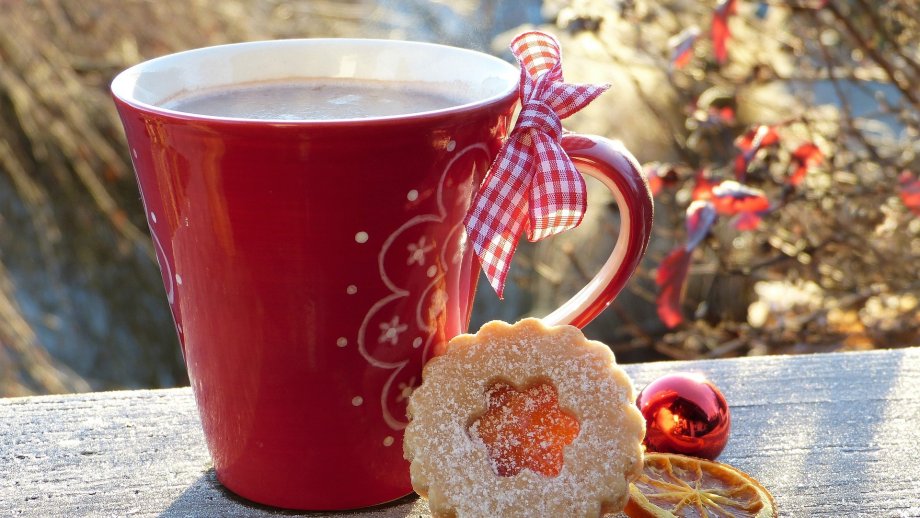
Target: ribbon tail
x: 498, y: 214
x: 497, y: 271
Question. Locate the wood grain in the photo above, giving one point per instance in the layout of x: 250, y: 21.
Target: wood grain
x: 829, y: 435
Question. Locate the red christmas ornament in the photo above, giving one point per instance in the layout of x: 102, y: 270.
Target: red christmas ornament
x: 685, y: 413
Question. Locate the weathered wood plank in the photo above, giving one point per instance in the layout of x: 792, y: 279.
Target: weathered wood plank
x: 829, y: 435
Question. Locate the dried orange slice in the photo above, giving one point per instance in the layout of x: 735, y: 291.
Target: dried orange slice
x: 679, y: 486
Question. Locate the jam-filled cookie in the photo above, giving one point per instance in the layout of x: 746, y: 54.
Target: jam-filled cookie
x: 524, y: 420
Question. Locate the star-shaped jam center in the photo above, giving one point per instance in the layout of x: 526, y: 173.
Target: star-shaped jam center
x: 524, y: 429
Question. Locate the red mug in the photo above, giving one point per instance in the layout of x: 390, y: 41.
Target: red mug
x: 312, y: 267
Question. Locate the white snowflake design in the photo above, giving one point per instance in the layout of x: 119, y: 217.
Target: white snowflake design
x: 389, y: 331
x: 431, y: 258
x: 418, y: 250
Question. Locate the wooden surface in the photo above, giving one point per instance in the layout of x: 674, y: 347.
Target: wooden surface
x: 829, y: 435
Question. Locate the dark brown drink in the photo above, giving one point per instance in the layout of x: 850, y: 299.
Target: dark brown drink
x: 317, y: 99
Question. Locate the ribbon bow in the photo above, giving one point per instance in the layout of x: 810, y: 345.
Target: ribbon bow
x: 532, y: 185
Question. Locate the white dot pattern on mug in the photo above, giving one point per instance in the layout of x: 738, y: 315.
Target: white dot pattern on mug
x: 178, y: 279
x: 401, y: 328
x: 388, y: 441
x: 357, y: 401
x: 361, y: 237
x: 342, y: 341
x: 351, y: 289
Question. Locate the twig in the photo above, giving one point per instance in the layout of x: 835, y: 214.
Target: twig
x: 871, y: 12
x: 845, y: 105
x: 869, y: 49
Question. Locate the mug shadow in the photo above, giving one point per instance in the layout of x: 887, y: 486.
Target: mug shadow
x: 207, y: 497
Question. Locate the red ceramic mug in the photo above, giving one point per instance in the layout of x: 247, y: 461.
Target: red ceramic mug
x: 313, y: 266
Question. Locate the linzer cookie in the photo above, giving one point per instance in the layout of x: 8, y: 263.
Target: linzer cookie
x: 524, y: 420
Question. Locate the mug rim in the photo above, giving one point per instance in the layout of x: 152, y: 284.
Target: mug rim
x: 123, y: 84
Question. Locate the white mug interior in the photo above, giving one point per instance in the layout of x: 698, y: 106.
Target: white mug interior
x: 485, y: 79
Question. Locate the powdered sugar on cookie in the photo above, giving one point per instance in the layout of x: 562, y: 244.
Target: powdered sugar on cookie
x: 517, y: 369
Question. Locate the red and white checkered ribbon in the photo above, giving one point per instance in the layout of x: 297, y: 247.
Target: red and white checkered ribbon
x: 532, y: 185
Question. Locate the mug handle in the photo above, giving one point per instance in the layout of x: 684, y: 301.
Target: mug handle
x: 611, y: 163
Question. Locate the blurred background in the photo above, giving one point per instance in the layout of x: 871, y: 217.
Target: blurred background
x: 781, y: 139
